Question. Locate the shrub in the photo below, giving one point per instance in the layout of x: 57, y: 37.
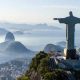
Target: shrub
x: 23, y: 78
x: 36, y: 60
x: 48, y: 76
x: 43, y: 66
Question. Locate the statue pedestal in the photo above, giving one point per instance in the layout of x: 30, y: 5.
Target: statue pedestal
x: 70, y: 54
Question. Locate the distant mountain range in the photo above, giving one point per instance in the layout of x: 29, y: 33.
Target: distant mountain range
x: 27, y: 26
x: 18, y: 32
x: 3, y: 31
x: 28, y: 29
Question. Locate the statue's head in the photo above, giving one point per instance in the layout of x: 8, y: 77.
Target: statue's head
x: 70, y: 13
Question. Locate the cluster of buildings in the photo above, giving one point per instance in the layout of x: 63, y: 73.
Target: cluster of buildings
x: 13, y: 69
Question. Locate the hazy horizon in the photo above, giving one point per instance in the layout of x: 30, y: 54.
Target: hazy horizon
x: 36, y: 11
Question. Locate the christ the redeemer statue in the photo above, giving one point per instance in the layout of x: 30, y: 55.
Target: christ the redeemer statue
x: 70, y: 22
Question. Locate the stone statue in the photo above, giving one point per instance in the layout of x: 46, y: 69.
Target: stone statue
x: 70, y: 22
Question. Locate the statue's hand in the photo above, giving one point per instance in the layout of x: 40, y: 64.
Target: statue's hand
x: 55, y: 18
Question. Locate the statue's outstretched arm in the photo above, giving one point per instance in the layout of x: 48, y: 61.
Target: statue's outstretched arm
x: 61, y: 20
x: 55, y: 18
x: 78, y: 20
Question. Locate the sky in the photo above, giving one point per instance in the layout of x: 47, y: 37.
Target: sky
x: 37, y: 11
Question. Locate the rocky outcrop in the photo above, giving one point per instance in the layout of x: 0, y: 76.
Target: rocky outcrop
x: 52, y: 48
x: 17, y: 47
x: 12, y: 46
x: 9, y: 37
